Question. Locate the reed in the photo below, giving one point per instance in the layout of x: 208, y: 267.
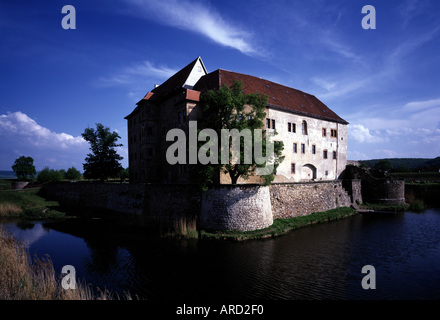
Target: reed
x: 9, y: 209
x: 23, y: 278
x: 182, y: 227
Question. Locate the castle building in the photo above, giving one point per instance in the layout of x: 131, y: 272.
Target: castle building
x: 315, y: 137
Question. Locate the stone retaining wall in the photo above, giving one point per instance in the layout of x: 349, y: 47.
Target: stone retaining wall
x: 242, y: 207
x: 299, y: 199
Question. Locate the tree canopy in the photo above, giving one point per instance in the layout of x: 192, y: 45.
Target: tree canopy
x: 72, y: 174
x: 24, y: 168
x: 103, y: 162
x: 50, y: 175
x: 230, y: 108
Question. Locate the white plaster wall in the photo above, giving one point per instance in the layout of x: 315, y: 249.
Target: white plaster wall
x: 197, y: 72
x: 326, y: 169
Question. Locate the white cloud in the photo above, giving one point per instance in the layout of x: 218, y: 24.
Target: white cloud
x: 356, y: 155
x: 21, y: 135
x: 196, y: 17
x: 19, y: 126
x: 359, y: 133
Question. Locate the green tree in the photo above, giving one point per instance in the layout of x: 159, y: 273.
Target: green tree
x: 72, y: 174
x: 102, y: 163
x: 383, y: 165
x: 49, y: 175
x: 124, y: 174
x: 62, y: 173
x: 24, y: 168
x: 230, y: 108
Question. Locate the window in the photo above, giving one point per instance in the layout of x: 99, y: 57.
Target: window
x: 325, y: 154
x: 303, y: 148
x: 333, y: 133
x: 295, y: 148
x: 292, y: 168
x: 324, y: 132
x: 313, y: 149
x: 304, y: 127
x: 269, y: 122
x: 291, y: 127
x: 334, y: 155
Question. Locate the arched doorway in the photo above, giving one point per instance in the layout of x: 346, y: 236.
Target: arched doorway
x: 308, y: 172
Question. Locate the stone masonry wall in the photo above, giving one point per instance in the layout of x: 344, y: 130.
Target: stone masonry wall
x: 142, y: 200
x: 225, y: 207
x: 242, y: 208
x: 122, y: 198
x: 299, y: 199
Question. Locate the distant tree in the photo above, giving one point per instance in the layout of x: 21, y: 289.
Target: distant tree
x: 24, y: 168
x: 102, y: 163
x: 229, y: 108
x: 49, y: 175
x: 124, y: 174
x: 63, y: 173
x: 72, y: 174
x: 383, y: 165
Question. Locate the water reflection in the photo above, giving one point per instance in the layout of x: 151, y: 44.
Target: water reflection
x: 319, y: 262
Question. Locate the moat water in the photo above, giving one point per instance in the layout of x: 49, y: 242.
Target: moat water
x: 322, y: 261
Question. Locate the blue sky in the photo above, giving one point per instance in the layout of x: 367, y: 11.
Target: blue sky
x: 54, y: 83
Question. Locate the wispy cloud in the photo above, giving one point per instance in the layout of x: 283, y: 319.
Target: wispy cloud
x: 196, y: 17
x: 135, y: 74
x: 413, y: 128
x: 417, y: 106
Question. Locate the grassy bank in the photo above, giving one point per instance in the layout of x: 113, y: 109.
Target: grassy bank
x: 27, y: 203
x: 384, y: 207
x: 282, y: 226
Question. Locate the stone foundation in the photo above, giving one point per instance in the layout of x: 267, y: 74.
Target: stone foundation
x: 242, y: 208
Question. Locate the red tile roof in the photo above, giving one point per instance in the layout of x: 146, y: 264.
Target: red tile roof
x: 279, y: 96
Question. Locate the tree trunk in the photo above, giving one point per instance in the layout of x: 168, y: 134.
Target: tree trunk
x: 234, y: 177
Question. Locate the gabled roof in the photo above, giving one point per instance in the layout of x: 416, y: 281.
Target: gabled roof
x: 279, y: 96
x: 178, y: 81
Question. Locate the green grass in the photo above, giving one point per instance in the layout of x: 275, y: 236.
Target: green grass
x: 5, y: 184
x: 384, y: 207
x: 27, y: 203
x: 282, y: 226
